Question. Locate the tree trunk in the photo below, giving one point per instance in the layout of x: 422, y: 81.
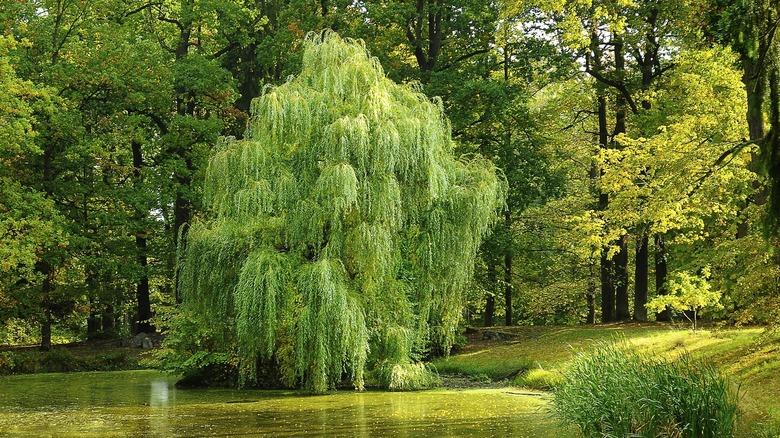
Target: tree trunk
x: 508, y: 287
x: 490, y: 299
x: 754, y: 85
x: 43, y: 267
x: 426, y: 25
x: 108, y: 319
x: 46, y: 331
x: 660, y: 275
x: 144, y: 309
x: 490, y: 309
x: 607, y: 290
x: 770, y: 149
x: 93, y: 322
x: 621, y: 282
x: 508, y: 213
x: 47, y: 319
x: 607, y: 286
x: 591, y: 299
x: 753, y: 79
x: 640, y: 279
x: 185, y: 106
x: 621, y: 259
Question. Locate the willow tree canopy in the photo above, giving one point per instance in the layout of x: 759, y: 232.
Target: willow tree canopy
x: 342, y: 232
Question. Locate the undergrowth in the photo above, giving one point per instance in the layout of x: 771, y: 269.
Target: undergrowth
x: 63, y: 360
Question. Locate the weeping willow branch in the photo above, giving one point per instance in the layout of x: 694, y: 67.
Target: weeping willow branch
x: 341, y: 232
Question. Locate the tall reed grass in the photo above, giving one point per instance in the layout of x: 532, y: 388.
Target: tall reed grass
x: 614, y: 392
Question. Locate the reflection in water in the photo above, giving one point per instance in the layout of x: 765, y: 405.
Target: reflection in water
x: 158, y: 393
x: 145, y: 403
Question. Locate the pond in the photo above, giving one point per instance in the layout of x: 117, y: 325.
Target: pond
x: 146, y: 404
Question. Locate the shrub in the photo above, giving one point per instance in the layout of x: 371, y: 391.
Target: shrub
x: 539, y: 378
x: 107, y: 361
x: 615, y: 392
x: 25, y: 362
x: 59, y: 360
x: 480, y: 378
x: 407, y: 376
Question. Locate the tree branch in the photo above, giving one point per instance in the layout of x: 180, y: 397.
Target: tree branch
x: 765, y: 50
x: 225, y: 49
x: 140, y: 9
x: 719, y: 163
x: 463, y: 58
x: 614, y: 84
x: 155, y: 118
x: 165, y: 19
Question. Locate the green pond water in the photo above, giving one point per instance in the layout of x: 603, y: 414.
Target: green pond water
x: 146, y: 404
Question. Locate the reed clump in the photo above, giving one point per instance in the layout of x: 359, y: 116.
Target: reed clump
x: 615, y: 392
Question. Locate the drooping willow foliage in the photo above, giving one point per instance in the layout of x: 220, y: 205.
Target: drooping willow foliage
x: 342, y: 232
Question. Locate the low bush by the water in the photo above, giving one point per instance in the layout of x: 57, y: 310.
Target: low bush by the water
x: 404, y: 377
x: 613, y: 392
x: 538, y: 378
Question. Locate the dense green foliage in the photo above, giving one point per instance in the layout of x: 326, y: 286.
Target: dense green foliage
x: 341, y: 232
x: 638, y: 140
x: 613, y: 391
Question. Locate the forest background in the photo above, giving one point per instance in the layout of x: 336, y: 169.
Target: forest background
x: 639, y: 140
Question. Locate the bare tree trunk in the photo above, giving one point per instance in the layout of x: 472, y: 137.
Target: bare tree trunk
x: 93, y: 321
x: 508, y: 287
x: 46, y: 331
x: 144, y: 308
x: 107, y: 319
x: 490, y: 310
x: 753, y: 79
x: 640, y: 279
x: 660, y: 275
x: 591, y: 299
x: 621, y: 259
x: 607, y: 285
x: 621, y: 281
x: 490, y: 299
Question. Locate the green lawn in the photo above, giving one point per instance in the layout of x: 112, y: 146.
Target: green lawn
x: 750, y: 356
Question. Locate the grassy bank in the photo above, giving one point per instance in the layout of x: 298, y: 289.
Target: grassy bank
x: 530, y: 356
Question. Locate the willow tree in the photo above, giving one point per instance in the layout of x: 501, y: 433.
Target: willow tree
x: 341, y: 232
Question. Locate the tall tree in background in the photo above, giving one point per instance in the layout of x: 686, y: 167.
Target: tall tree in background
x: 454, y: 49
x: 31, y: 228
x: 202, y: 90
x: 622, y: 44
x: 490, y: 113
x: 65, y: 168
x: 750, y: 29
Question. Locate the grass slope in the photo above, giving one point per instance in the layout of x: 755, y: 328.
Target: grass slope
x: 751, y: 356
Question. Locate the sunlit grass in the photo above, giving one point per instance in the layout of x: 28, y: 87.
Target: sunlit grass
x: 750, y: 356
